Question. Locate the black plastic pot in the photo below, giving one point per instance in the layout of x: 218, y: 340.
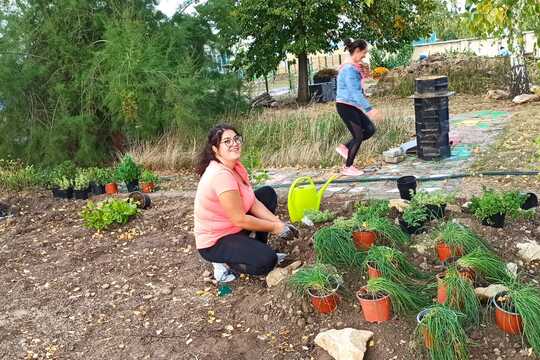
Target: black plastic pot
x: 496, y: 221
x: 81, y: 194
x: 132, y: 186
x: 410, y: 229
x: 531, y: 202
x: 56, y: 192
x: 64, y: 194
x: 97, y: 189
x: 436, y: 211
x: 143, y: 200
x: 406, y: 186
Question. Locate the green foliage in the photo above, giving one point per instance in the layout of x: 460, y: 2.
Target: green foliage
x: 317, y: 216
x: 461, y: 296
x: 404, y: 300
x: 393, y: 265
x: 493, y: 202
x: 334, y: 246
x: 459, y: 236
x: 372, y: 208
x: 111, y: 211
x: 100, y: 176
x: 386, y: 229
x: 436, y: 198
x: 415, y: 215
x: 17, y: 176
x: 526, y: 300
x: 122, y: 72
x: 128, y: 170
x: 320, y: 278
x: 82, y: 180
x: 448, y: 339
x: 381, y: 58
x: 492, y: 268
x: 349, y: 225
x: 450, y: 24
x: 148, y: 176
x: 63, y: 183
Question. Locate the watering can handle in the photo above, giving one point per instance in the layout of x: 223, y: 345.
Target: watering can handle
x: 296, y: 183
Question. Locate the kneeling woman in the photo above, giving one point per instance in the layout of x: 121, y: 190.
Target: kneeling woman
x: 227, y: 210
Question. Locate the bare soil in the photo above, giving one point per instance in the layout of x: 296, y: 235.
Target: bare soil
x: 138, y: 292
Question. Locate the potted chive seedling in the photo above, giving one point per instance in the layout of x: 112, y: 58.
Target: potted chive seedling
x: 517, y: 311
x: 321, y: 282
x: 391, y: 264
x: 455, y: 289
x: 363, y: 237
x: 381, y: 297
x: 81, y: 187
x: 454, y: 239
x: 148, y: 182
x: 440, y: 331
x: 334, y: 246
x: 129, y: 172
x: 487, y: 264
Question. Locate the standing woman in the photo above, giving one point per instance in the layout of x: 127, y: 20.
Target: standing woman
x: 353, y: 107
x: 227, y: 210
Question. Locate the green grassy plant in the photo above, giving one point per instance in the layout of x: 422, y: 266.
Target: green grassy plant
x: 321, y: 278
x: 491, y: 267
x: 404, y: 300
x: 461, y: 296
x: 148, y: 176
x: 448, y: 339
x: 318, y: 217
x: 459, y: 236
x: 385, y: 228
x: 335, y: 246
x: 393, y: 265
x: 108, y: 212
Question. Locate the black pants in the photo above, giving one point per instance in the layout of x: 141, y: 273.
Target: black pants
x: 243, y: 253
x: 359, y: 125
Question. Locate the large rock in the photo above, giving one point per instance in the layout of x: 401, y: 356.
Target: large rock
x: 529, y: 251
x: 525, y: 98
x: 344, y: 344
x: 490, y: 291
x: 277, y: 275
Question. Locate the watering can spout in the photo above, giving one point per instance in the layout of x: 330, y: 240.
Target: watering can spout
x: 322, y: 190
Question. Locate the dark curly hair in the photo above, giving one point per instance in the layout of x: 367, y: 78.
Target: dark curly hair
x: 356, y: 44
x: 214, y: 139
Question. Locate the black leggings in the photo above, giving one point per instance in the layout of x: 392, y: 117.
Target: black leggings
x: 359, y: 125
x: 243, y: 253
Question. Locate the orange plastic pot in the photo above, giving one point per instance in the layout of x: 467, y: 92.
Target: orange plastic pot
x: 445, y: 252
x: 111, y: 188
x: 364, y: 239
x: 428, y: 340
x: 373, y: 273
x: 375, y: 310
x: 509, y: 322
x: 325, y: 304
x: 442, y: 291
x: 148, y: 187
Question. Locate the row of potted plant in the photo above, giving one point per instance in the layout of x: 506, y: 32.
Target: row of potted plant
x: 397, y: 286
x: 70, y: 182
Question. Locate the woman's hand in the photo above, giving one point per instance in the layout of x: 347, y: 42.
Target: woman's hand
x: 279, y: 227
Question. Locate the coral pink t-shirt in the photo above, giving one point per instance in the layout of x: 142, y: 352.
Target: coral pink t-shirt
x: 211, y: 221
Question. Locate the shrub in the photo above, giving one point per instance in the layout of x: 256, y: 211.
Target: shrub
x: 128, y: 171
x: 108, y: 212
x: 492, y: 202
x: 82, y: 180
x: 148, y: 176
x: 415, y: 215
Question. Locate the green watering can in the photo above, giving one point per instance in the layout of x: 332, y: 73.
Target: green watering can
x: 303, y: 195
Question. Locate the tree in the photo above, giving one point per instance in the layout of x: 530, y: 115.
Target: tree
x: 508, y: 19
x: 269, y: 30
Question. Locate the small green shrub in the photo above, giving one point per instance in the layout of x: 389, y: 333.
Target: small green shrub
x: 63, y: 183
x: 148, y: 176
x: 493, y: 202
x: 108, y: 212
x: 415, y: 215
x: 82, y: 180
x: 128, y: 171
x: 16, y: 176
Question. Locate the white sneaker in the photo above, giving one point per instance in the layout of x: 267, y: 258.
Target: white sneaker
x: 222, y: 273
x: 281, y: 257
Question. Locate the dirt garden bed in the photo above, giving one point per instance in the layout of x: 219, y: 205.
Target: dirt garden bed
x: 139, y: 292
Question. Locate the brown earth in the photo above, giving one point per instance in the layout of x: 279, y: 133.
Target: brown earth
x: 138, y: 292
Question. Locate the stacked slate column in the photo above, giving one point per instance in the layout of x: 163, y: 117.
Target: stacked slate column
x: 432, y: 117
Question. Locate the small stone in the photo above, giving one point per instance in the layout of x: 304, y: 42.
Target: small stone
x: 206, y: 274
x: 147, y: 297
x: 121, y: 346
x: 301, y: 322
x: 276, y: 276
x: 105, y: 286
x: 289, y: 295
x: 517, y: 346
x: 229, y: 328
x: 77, y: 289
x: 496, y: 351
x: 265, y: 317
x: 166, y: 291
x: 159, y: 332
x: 344, y: 344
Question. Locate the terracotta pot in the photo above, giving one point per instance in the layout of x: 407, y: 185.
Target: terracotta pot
x: 111, y: 188
x: 373, y: 273
x: 148, y: 187
x: 376, y: 310
x: 325, y: 304
x: 442, y: 291
x: 428, y: 340
x: 364, y: 239
x: 445, y: 252
x: 509, y: 322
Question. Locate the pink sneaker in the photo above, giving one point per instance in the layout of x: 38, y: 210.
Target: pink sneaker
x: 342, y: 151
x: 351, y: 171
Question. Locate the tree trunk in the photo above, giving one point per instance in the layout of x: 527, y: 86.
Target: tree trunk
x: 519, y: 75
x: 303, y: 91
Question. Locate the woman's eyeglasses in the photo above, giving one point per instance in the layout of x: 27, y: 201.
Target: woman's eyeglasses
x: 235, y: 140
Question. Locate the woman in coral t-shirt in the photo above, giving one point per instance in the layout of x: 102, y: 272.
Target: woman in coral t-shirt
x: 227, y: 210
